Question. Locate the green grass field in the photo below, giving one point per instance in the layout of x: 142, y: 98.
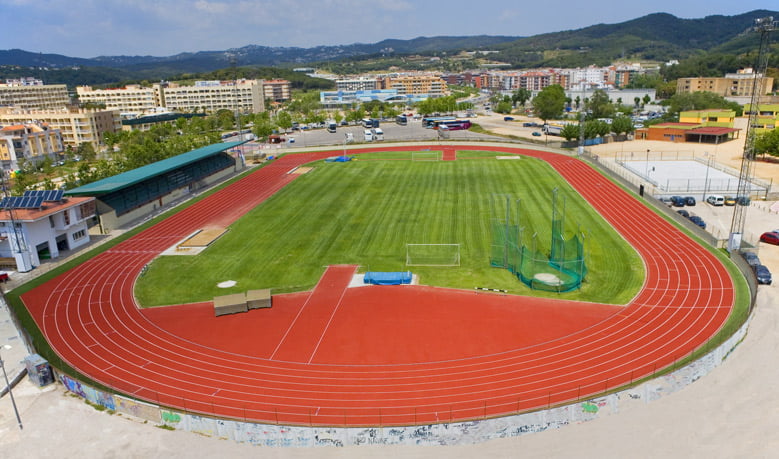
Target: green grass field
x: 365, y: 212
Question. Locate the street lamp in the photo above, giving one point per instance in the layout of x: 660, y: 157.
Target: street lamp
x: 8, y: 385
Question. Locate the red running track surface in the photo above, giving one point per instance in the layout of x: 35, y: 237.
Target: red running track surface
x: 381, y: 355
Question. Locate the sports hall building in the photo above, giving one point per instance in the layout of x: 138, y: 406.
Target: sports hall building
x: 136, y: 194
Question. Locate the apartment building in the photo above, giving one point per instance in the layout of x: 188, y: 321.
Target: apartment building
x: 31, y: 141
x: 731, y: 85
x: 76, y: 125
x: 29, y: 93
x: 277, y: 90
x: 359, y: 84
x: 431, y: 85
x: 211, y: 96
x: 130, y: 101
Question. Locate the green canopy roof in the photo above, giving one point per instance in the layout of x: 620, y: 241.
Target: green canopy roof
x: 125, y: 179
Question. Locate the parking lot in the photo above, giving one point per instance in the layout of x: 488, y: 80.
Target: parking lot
x: 413, y: 131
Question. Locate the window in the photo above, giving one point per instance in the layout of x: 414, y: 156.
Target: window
x: 66, y: 215
x: 79, y: 234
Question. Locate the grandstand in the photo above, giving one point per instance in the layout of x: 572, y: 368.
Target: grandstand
x: 135, y: 194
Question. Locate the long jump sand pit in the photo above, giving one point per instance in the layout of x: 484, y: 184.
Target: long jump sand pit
x: 203, y: 238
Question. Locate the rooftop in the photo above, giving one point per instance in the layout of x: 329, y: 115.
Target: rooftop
x: 125, y: 179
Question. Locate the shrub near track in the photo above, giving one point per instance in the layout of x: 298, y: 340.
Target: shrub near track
x: 365, y: 212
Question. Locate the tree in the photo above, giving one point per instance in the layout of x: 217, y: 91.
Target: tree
x: 767, y: 143
x: 570, y: 132
x: 646, y: 99
x: 637, y: 101
x: 550, y: 102
x: 600, y: 105
x: 503, y: 107
x: 521, y: 96
x: 86, y: 151
x: 622, y: 125
x: 284, y: 120
x: 700, y: 100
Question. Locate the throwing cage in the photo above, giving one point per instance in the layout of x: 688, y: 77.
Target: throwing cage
x: 562, y: 269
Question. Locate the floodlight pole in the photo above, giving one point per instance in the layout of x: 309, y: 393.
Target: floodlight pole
x: 10, y: 393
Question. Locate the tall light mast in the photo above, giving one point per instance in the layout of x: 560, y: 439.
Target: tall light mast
x: 764, y: 26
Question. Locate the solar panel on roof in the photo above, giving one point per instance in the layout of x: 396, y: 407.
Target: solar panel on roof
x: 21, y: 202
x: 48, y: 195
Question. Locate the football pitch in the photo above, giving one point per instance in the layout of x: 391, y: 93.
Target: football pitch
x: 366, y: 211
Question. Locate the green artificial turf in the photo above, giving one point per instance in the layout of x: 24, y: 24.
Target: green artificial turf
x: 364, y: 212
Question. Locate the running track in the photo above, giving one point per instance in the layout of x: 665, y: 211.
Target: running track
x: 90, y: 317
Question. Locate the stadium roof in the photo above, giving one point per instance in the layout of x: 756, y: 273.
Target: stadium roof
x: 125, y: 179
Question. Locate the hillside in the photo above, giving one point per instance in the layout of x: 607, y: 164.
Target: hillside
x: 657, y: 37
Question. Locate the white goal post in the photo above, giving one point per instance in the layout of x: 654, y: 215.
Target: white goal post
x: 432, y: 254
x: 425, y: 156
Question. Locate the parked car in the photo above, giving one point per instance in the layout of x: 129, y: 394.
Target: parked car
x: 770, y: 237
x: 683, y: 213
x: 743, y: 200
x: 715, y: 200
x: 689, y: 201
x: 763, y: 275
x: 730, y: 201
x: 677, y: 201
x: 751, y: 258
x: 666, y: 200
x: 698, y: 221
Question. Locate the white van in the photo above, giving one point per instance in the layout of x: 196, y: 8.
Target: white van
x: 368, y: 135
x: 378, y: 134
x: 715, y: 200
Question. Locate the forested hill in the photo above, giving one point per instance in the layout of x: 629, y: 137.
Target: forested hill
x: 658, y: 36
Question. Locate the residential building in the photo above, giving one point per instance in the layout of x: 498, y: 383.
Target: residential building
x: 358, y: 84
x: 767, y: 117
x: 211, y: 96
x: 76, y: 125
x: 336, y: 99
x: 131, y: 100
x: 31, y: 234
x: 277, y: 90
x: 731, y: 85
x: 31, y: 141
x: 29, y: 93
x: 430, y: 85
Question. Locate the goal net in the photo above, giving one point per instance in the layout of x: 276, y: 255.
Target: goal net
x: 425, y: 156
x: 432, y: 254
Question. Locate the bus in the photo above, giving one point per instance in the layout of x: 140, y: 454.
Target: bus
x: 401, y: 120
x: 429, y: 122
x: 367, y: 123
x: 453, y: 125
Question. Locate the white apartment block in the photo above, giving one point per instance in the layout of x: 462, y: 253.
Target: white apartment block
x: 212, y: 96
x: 77, y: 126
x: 130, y: 101
x: 33, y: 94
x: 592, y: 77
x: 358, y: 84
x: 31, y: 141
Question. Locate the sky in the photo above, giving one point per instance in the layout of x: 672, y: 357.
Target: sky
x: 91, y: 28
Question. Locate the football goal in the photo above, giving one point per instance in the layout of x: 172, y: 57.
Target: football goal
x: 425, y: 156
x: 432, y: 254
